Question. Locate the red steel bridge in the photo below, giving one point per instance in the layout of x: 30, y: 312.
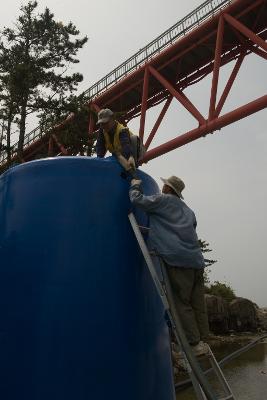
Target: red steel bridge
x: 216, y: 33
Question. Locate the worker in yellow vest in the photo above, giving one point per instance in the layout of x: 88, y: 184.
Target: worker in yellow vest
x: 116, y: 138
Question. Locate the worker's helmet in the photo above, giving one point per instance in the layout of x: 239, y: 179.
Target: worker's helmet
x: 104, y: 116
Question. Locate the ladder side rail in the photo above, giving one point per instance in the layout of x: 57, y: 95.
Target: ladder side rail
x: 197, y: 388
x: 220, y: 376
x: 148, y: 260
x: 182, y: 338
x: 199, y: 375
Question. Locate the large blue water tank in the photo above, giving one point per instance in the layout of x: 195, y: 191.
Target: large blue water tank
x: 79, y: 316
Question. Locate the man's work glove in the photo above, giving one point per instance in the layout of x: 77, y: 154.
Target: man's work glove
x: 123, y: 162
x: 128, y: 165
x: 136, y: 182
x: 131, y: 162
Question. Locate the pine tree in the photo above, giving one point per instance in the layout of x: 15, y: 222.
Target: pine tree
x: 35, y: 56
x: 208, y: 261
x: 205, y: 249
x: 9, y: 96
x: 74, y: 135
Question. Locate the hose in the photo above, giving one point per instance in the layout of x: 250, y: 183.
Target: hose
x: 187, y: 382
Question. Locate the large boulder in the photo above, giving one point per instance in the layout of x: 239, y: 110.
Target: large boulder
x: 242, y: 315
x: 262, y: 318
x: 218, y: 315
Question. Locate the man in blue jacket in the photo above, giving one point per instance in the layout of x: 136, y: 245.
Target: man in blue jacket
x: 173, y: 236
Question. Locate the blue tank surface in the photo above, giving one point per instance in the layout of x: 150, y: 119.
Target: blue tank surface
x: 80, y: 318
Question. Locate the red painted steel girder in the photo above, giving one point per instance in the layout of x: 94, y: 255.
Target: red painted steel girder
x: 209, y: 127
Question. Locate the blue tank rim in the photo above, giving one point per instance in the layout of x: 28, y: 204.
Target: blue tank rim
x: 60, y: 159
x: 63, y: 159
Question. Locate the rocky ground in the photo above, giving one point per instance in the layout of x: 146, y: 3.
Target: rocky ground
x: 239, y: 339
x: 234, y: 324
x: 219, y: 345
x: 262, y: 318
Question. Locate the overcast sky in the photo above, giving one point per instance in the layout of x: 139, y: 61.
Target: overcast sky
x: 225, y: 173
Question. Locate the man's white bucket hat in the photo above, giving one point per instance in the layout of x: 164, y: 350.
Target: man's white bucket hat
x: 176, y: 184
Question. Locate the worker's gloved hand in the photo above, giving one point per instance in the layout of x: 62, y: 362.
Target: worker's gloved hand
x: 136, y: 182
x: 131, y: 162
x: 123, y: 162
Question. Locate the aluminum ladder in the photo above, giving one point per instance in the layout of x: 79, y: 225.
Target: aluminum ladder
x: 202, y: 387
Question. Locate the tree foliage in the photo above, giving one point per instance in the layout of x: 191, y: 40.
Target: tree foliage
x: 216, y: 288
x: 208, y: 261
x: 221, y: 289
x: 205, y: 249
x: 35, y: 56
x: 75, y: 134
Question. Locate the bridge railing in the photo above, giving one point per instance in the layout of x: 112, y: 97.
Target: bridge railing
x: 204, y: 11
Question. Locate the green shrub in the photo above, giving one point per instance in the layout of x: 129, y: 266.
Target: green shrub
x: 221, y: 289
